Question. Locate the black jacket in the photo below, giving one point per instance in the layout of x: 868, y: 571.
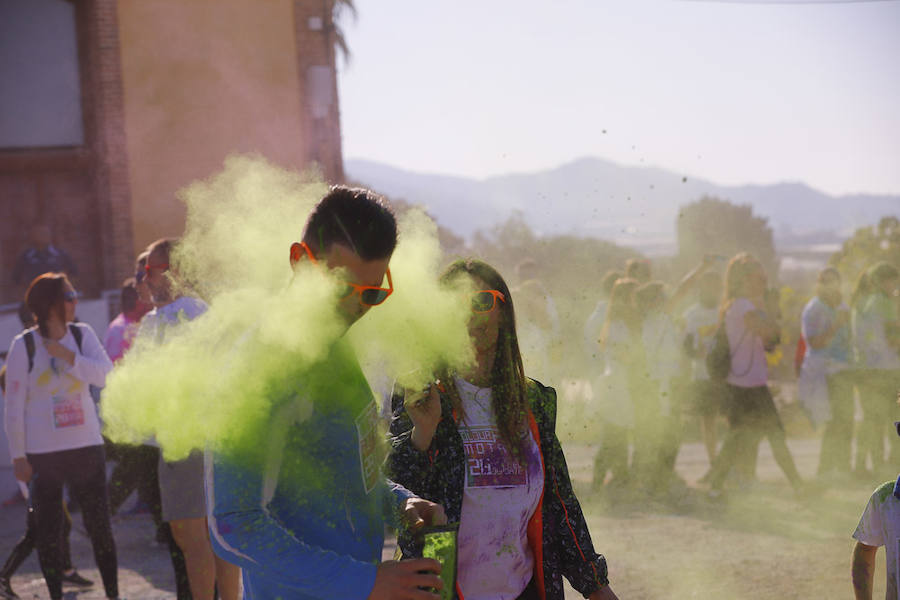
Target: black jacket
x: 558, y: 533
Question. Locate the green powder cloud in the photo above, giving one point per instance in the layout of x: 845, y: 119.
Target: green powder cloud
x: 422, y: 325
x: 212, y: 381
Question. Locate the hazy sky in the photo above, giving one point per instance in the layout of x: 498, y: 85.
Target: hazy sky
x: 731, y: 92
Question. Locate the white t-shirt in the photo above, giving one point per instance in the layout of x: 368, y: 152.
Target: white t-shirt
x: 614, y: 389
x: 500, y: 496
x: 748, y: 356
x: 661, y: 337
x: 701, y: 323
x: 880, y: 526
x: 51, y: 409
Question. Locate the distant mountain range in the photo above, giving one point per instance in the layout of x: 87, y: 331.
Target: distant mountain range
x: 634, y: 206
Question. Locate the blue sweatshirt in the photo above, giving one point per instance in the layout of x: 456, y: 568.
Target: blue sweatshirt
x: 304, y: 518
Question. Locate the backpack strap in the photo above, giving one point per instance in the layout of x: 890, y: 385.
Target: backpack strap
x: 28, y: 338
x: 29, y: 348
x: 76, y: 333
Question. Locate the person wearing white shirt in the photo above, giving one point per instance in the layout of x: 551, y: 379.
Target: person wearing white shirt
x: 878, y: 526
x: 622, y: 358
x: 705, y: 395
x: 52, y: 425
x: 594, y: 326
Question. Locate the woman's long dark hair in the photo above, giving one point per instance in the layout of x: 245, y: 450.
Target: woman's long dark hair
x: 46, y: 296
x: 508, y: 391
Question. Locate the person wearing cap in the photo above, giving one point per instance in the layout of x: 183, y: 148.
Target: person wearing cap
x: 878, y: 526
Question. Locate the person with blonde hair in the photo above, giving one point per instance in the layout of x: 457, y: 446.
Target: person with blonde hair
x: 751, y: 411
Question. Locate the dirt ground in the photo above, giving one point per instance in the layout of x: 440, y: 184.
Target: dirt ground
x: 760, y: 543
x: 764, y: 543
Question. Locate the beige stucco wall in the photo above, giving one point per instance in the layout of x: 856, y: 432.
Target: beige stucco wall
x: 203, y: 79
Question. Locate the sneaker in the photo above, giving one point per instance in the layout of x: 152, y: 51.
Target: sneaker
x: 6, y: 591
x: 138, y: 509
x: 74, y: 578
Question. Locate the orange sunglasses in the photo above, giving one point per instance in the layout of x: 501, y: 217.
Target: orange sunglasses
x: 484, y: 301
x: 369, y: 295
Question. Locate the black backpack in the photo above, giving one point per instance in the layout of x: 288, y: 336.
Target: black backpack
x: 718, y: 359
x: 29, y: 343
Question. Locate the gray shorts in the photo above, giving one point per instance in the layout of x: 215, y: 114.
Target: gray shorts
x: 181, y: 488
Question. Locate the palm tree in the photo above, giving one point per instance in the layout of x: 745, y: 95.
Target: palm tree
x: 338, y: 7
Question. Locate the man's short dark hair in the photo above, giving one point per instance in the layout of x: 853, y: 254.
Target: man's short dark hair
x: 162, y: 248
x: 356, y: 218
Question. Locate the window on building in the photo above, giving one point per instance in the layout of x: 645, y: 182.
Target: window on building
x: 40, y: 88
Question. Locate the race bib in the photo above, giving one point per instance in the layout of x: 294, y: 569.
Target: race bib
x: 371, y: 449
x: 488, y: 462
x: 67, y: 411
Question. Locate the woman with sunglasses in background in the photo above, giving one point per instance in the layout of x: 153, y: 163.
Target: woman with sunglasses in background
x: 53, y: 429
x: 482, y: 443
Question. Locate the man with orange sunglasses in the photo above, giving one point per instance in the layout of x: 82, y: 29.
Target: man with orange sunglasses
x: 308, y: 523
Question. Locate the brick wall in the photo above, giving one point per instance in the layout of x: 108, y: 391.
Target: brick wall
x: 84, y: 194
x: 81, y: 193
x: 315, y: 48
x: 110, y: 173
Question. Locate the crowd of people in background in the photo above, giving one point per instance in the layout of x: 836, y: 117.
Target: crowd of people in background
x: 652, y: 376
x: 651, y: 350
x: 54, y: 373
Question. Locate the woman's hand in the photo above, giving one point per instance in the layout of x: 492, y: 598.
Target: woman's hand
x: 57, y: 350
x: 418, y: 513
x: 425, y: 413
x: 22, y: 469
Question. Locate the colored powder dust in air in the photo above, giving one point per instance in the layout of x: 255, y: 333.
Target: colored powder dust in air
x: 422, y: 327
x: 211, y: 382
